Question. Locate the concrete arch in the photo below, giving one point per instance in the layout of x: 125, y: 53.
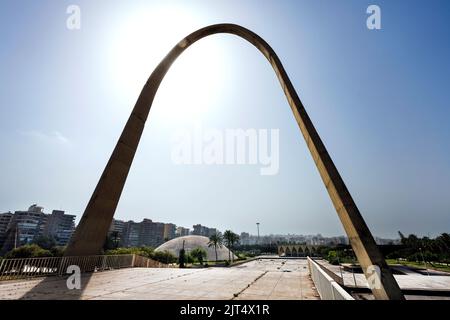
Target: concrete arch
x: 93, y: 227
x: 294, y: 251
x: 298, y: 250
x: 288, y: 252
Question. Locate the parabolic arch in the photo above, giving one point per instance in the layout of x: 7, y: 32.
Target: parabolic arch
x: 91, y: 232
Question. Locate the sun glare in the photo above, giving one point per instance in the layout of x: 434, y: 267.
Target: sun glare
x: 143, y: 39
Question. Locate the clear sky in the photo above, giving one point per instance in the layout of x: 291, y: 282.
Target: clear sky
x: 378, y: 98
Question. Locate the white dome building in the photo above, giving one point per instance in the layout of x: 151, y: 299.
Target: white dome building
x: 191, y: 242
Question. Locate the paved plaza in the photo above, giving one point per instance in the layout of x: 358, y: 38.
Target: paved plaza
x: 285, y: 279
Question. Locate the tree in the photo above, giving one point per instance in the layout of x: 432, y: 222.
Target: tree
x: 189, y: 258
x: 28, y: 251
x: 402, y: 237
x: 443, y: 247
x: 215, y: 240
x: 44, y: 242
x: 199, y: 254
x: 413, y: 241
x: 228, y: 236
x: 182, y: 258
x: 164, y: 256
x: 141, y: 251
x: 57, y: 251
x: 112, y: 241
x: 234, y: 240
x: 230, y: 239
x: 333, y: 257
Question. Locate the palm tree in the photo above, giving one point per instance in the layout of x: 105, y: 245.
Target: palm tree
x: 199, y: 254
x: 230, y: 239
x: 234, y: 240
x: 215, y: 240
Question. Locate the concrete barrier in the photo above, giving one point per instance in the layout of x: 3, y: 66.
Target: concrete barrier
x: 327, y: 288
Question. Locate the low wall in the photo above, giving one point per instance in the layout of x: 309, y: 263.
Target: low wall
x: 327, y: 288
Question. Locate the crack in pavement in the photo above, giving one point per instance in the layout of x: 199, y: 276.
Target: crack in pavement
x: 235, y: 295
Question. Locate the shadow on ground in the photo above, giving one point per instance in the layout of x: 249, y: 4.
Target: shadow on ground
x: 55, y: 288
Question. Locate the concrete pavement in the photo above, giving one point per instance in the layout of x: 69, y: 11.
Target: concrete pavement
x: 285, y: 279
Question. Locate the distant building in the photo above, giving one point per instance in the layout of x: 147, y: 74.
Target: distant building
x: 59, y: 226
x: 314, y: 240
x: 244, y: 239
x: 144, y: 233
x: 381, y: 241
x: 212, y: 231
x: 131, y: 233
x: 200, y: 230
x: 116, y: 232
x: 117, y: 226
x: 5, y: 221
x: 151, y: 233
x: 181, y: 232
x: 24, y: 226
x: 169, y: 231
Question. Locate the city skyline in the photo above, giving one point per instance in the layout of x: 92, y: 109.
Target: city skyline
x: 377, y: 97
x: 191, y: 228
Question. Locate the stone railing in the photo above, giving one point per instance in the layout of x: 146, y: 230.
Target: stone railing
x: 327, y: 287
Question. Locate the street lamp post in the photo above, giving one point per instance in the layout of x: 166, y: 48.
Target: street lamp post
x: 257, y: 227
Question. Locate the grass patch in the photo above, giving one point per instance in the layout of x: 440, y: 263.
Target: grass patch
x: 413, y: 264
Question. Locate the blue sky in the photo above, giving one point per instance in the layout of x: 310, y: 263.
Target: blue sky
x: 378, y: 98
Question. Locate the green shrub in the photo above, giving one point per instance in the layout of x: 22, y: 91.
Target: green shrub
x: 164, y: 257
x: 333, y: 257
x: 44, y: 242
x: 190, y: 258
x: 57, y: 251
x: 199, y: 254
x: 419, y: 257
x: 28, y: 251
x: 148, y: 252
x: 142, y: 251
